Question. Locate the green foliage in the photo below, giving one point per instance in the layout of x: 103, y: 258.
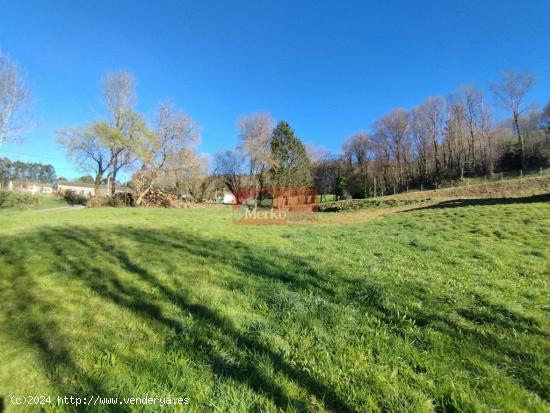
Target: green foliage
x: 10, y: 199
x: 342, y: 185
x: 291, y: 167
x: 27, y: 171
x: 20, y: 200
x: 438, y: 309
x: 89, y: 179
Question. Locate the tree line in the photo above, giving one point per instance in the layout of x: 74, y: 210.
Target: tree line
x: 26, y: 171
x: 439, y: 140
x: 443, y: 138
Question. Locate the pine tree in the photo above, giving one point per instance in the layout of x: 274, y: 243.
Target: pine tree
x: 291, y: 166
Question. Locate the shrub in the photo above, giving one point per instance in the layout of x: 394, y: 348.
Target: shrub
x: 74, y: 199
x: 17, y: 199
x: 118, y: 200
x: 122, y: 199
x: 97, y: 202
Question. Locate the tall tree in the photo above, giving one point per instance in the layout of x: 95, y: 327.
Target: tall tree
x: 545, y: 121
x: 357, y: 149
x: 291, y: 166
x: 430, y: 123
x: 128, y: 127
x: 163, y: 148
x: 326, y: 173
x: 87, y: 147
x: 14, y: 99
x: 510, y: 92
x: 229, y: 166
x: 391, y: 131
x: 255, y: 134
x: 468, y: 141
x: 193, y: 176
x: 26, y: 171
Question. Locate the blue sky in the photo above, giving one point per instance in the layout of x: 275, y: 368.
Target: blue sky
x: 329, y: 68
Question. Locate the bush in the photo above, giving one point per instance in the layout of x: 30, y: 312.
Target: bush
x: 122, y: 199
x: 72, y: 198
x: 97, y: 202
x: 17, y: 200
x: 118, y: 200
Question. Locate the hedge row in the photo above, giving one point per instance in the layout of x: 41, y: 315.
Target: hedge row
x: 357, y: 204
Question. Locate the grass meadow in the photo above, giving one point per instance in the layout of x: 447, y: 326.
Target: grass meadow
x: 442, y: 308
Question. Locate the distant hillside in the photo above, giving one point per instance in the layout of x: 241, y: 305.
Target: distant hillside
x: 499, y: 189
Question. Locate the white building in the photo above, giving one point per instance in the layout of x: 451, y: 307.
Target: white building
x: 79, y: 188
x: 87, y: 189
x: 229, y: 198
x: 32, y: 187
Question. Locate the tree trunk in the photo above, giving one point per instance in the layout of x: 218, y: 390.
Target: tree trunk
x: 97, y: 182
x: 141, y: 195
x: 436, y: 159
x: 115, y: 166
x: 520, y: 140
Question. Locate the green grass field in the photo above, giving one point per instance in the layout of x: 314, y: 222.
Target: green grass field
x: 436, y: 309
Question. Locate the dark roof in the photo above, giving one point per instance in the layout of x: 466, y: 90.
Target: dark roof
x: 77, y: 183
x: 92, y: 185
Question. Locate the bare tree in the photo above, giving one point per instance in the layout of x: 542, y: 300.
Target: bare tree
x: 391, y: 132
x: 14, y: 99
x: 316, y: 153
x: 161, y: 148
x: 545, y: 121
x: 229, y: 165
x: 119, y: 96
x: 468, y: 141
x: 194, y: 177
x: 422, y: 143
x: 255, y: 135
x: 430, y: 123
x: 510, y: 92
x: 357, y: 150
x: 325, y: 172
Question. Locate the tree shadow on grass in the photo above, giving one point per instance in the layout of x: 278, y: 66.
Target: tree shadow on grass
x: 488, y: 327
x: 95, y: 259
x: 26, y: 313
x: 458, y: 203
x: 113, y: 264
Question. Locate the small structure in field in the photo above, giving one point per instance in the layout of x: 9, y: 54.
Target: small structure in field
x: 229, y: 198
x: 225, y: 197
